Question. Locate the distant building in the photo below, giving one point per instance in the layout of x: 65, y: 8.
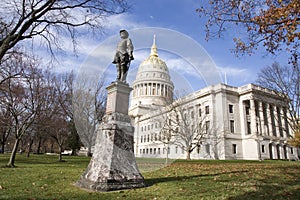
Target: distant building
x: 248, y: 122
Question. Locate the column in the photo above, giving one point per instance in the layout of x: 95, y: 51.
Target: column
x: 275, y: 110
x: 286, y: 123
x: 280, y: 114
x: 269, y: 120
x: 243, y: 117
x: 158, y: 89
x: 253, y: 117
x: 149, y: 89
x: 261, y: 117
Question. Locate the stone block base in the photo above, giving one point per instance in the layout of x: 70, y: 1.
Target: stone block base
x: 111, y: 185
x: 113, y: 165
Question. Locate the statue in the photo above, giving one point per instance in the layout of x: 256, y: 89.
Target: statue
x: 123, y: 56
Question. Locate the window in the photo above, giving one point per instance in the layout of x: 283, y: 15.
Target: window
x: 141, y: 139
x: 154, y: 151
x: 292, y: 150
x: 141, y: 151
x: 158, y: 151
x: 231, y: 126
x: 207, y: 126
x: 248, y: 127
x: 247, y: 110
x: 150, y: 150
x: 206, y: 109
x: 230, y: 108
x: 200, y: 112
x: 263, y: 148
x: 176, y: 150
x: 142, y: 129
x: 148, y: 138
x: 234, y: 151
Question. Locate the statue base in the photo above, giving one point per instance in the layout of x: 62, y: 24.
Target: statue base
x: 113, y: 165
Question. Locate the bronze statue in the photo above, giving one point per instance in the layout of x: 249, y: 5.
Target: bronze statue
x: 123, y: 56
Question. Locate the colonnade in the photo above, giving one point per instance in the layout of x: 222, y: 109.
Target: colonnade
x: 266, y: 119
x: 152, y: 89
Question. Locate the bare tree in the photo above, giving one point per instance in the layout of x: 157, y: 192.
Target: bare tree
x: 89, y: 108
x: 59, y: 131
x: 190, y: 127
x: 5, y: 126
x: 49, y: 20
x: 285, y: 81
x: 183, y: 126
x: 165, y: 135
x: 23, y: 98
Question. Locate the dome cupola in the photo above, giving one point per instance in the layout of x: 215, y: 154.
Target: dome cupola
x: 153, y: 85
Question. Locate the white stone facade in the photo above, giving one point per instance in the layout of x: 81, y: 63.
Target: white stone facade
x: 248, y: 122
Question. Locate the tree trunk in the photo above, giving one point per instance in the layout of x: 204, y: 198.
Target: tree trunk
x: 38, y: 150
x: 2, y: 147
x: 29, y: 148
x: 51, y: 148
x: 11, y: 162
x: 188, y: 154
x: 167, y: 156
x: 59, y: 153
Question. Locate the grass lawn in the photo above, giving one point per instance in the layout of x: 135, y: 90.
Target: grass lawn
x: 42, y: 177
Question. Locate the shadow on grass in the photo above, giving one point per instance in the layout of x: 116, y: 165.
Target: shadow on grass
x: 271, y: 192
x: 152, y: 181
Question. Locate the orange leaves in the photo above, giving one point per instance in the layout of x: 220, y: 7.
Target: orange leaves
x: 296, y: 140
x: 273, y: 24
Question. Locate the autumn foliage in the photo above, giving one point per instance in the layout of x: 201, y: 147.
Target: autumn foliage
x: 295, y: 141
x: 271, y: 23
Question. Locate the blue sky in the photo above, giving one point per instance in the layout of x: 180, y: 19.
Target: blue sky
x: 179, y: 16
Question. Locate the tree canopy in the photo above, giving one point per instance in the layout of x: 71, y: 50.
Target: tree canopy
x: 271, y: 23
x: 50, y: 19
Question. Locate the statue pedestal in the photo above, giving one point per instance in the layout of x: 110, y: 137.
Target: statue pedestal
x: 113, y: 165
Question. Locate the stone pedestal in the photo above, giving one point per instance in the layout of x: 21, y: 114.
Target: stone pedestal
x: 113, y: 165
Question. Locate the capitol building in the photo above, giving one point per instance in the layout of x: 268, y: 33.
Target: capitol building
x: 215, y: 122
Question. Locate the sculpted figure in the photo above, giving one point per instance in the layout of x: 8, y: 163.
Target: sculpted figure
x: 123, y: 56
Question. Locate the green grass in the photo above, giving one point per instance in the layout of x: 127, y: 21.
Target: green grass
x: 42, y: 177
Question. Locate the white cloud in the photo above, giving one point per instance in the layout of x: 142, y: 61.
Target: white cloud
x: 115, y: 23
x: 236, y: 75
